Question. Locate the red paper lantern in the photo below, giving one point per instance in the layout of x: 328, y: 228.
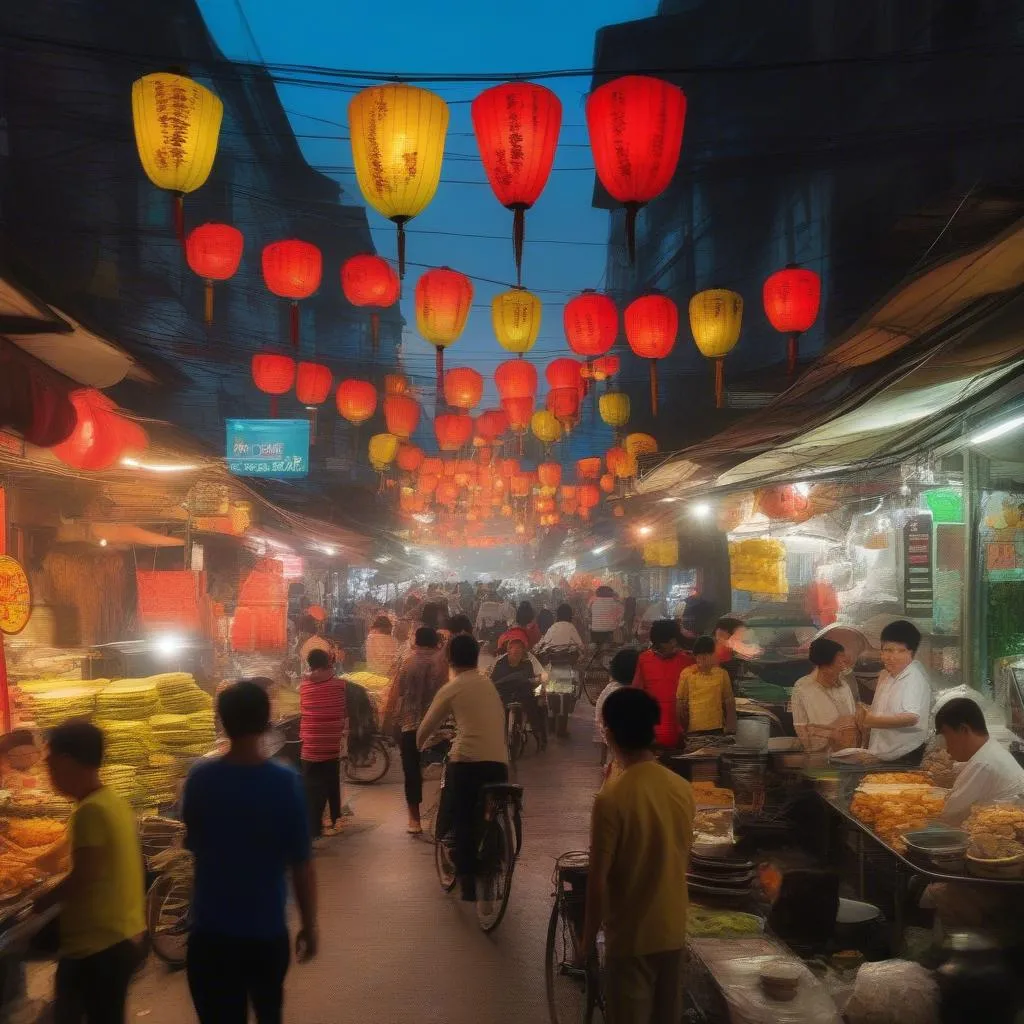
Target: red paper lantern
x: 292, y: 270
x: 549, y: 474
x: 369, y: 281
x: 431, y: 466
x: 443, y: 300
x: 516, y: 378
x: 357, y: 400
x: 490, y: 425
x: 410, y: 457
x: 606, y: 367
x: 792, y: 298
x: 564, y: 405
x: 636, y: 132
x: 401, y: 415
x: 213, y: 251
x: 453, y: 430
x: 516, y: 127
x: 274, y: 375
x: 607, y: 482
x: 312, y: 383
x: 591, y: 324
x: 783, y: 502
x: 519, y: 412
x: 564, y: 373
x: 463, y: 387
x: 447, y: 492
x: 652, y: 325
x: 99, y: 437
x: 508, y: 468
x: 588, y: 496
x: 588, y: 469
x: 521, y: 484
x: 618, y: 461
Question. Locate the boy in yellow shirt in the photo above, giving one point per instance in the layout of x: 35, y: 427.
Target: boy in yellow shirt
x: 704, y: 700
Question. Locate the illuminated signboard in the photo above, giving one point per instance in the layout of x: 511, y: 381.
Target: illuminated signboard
x: 275, y: 448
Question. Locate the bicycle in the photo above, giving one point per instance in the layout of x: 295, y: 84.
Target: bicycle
x: 169, y: 896
x: 500, y: 839
x: 370, y: 765
x: 515, y: 731
x: 574, y: 992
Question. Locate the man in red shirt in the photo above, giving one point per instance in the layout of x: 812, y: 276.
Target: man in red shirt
x: 657, y: 673
x: 322, y: 730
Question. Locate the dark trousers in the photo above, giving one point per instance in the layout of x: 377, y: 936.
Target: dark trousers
x: 412, y: 770
x: 93, y: 989
x: 227, y: 975
x: 463, y: 782
x: 323, y: 788
x: 521, y: 692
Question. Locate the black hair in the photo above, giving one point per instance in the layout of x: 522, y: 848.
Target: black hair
x: 463, y: 652
x: 431, y: 614
x: 623, y: 665
x: 244, y: 709
x: 604, y: 591
x: 902, y: 632
x: 383, y: 624
x: 426, y: 637
x: 824, y: 651
x: 664, y: 630
x: 704, y: 645
x: 564, y: 613
x: 460, y: 624
x: 525, y: 614
x: 630, y: 716
x: 958, y: 712
x: 307, y: 624
x: 728, y: 624
x: 318, y: 659
x: 80, y: 740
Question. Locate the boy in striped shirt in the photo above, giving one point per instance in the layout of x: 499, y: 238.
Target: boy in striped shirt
x: 322, y: 731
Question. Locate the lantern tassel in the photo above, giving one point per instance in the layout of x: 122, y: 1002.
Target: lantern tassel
x: 719, y: 382
x: 208, y: 302
x: 439, y: 367
x: 273, y: 407
x: 400, y: 222
x: 518, y: 237
x: 632, y: 209
x: 311, y: 412
x: 295, y: 325
x: 793, y: 353
x: 374, y: 332
x: 179, y: 216
x: 654, y: 388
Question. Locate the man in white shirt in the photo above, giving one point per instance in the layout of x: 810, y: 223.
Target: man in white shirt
x: 991, y: 773
x: 900, y: 714
x: 824, y: 710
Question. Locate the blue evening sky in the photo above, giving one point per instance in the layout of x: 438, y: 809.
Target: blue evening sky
x: 451, y: 36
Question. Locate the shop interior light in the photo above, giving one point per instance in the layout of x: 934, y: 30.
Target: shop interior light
x: 991, y: 433
x: 601, y: 548
x: 383, y: 559
x: 644, y: 531
x: 328, y: 550
x: 803, y: 489
x: 103, y: 542
x: 701, y: 510
x: 167, y: 646
x: 160, y: 467
x: 670, y: 499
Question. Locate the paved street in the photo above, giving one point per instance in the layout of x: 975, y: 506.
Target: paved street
x: 394, y: 947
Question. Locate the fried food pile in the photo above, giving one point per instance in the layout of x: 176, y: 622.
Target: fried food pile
x: 892, y: 814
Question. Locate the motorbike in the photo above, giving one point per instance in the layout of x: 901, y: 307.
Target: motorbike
x: 563, y: 686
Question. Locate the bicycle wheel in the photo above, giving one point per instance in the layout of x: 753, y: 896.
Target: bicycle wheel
x: 566, y: 983
x: 371, y: 766
x: 444, y: 864
x: 595, y: 679
x: 593, y: 997
x: 169, y: 916
x: 513, y: 739
x: 494, y: 886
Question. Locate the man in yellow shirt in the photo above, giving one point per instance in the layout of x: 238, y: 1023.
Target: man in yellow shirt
x: 704, y: 699
x: 640, y: 837
x: 102, y: 919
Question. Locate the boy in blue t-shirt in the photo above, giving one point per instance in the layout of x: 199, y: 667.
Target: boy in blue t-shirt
x: 246, y: 824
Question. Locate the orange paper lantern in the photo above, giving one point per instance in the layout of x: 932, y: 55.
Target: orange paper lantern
x: 652, y: 325
x: 443, y: 300
x: 213, y: 251
x: 410, y: 457
x: 591, y: 324
x: 356, y: 400
x: 463, y: 387
x: 401, y: 415
x: 588, y: 469
x: 370, y: 282
x: 292, y: 270
x: 453, y: 430
x: 274, y: 375
x: 792, y: 298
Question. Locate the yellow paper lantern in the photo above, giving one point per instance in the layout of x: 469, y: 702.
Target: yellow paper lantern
x: 516, y: 315
x: 382, y: 450
x: 640, y: 444
x: 398, y: 134
x: 546, y: 427
x: 614, y: 409
x: 177, y: 124
x: 662, y: 553
x: 716, y: 316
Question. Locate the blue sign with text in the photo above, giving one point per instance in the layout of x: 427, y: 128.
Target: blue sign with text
x: 276, y: 448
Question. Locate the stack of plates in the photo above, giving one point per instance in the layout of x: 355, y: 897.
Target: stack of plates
x: 56, y: 706
x: 189, y: 735
x: 723, y: 878
x: 128, y: 700
x: 121, y: 778
x: 127, y: 742
x: 159, y: 779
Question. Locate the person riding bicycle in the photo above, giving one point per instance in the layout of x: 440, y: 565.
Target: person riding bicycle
x: 478, y: 756
x: 563, y: 634
x: 517, y: 674
x: 605, y: 616
x: 493, y: 617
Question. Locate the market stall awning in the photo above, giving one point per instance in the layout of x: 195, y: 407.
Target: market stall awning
x: 61, y: 343
x: 114, y: 535
x: 936, y: 345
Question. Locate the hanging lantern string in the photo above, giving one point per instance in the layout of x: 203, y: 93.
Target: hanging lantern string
x: 439, y: 368
x: 295, y: 324
x: 632, y: 211
x: 400, y: 222
x: 518, y: 238
x: 208, y: 301
x: 719, y: 382
x: 793, y: 353
x: 179, y: 216
x: 374, y: 334
x: 654, y: 387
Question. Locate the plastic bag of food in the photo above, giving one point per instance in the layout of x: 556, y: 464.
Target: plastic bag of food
x: 893, y: 992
